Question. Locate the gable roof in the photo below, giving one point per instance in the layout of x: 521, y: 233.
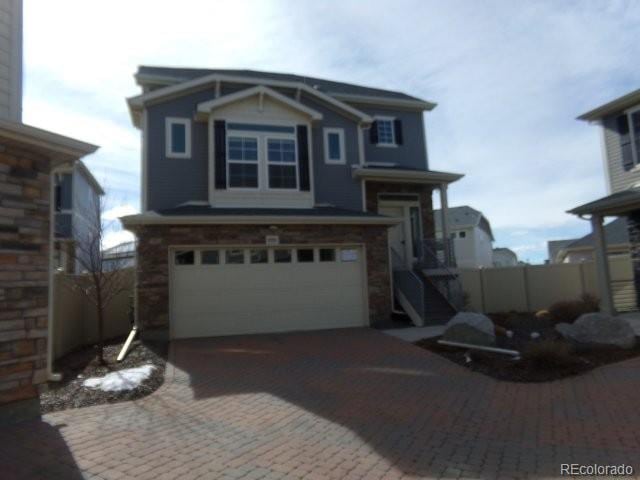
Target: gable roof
x: 464, y: 216
x: 555, y: 246
x: 172, y: 75
x: 208, y: 106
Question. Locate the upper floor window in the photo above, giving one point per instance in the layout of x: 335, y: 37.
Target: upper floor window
x: 628, y: 125
x: 243, y: 162
x: 281, y: 158
x: 334, y: 146
x: 178, y: 138
x: 386, y: 131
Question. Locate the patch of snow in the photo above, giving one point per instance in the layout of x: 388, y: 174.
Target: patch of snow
x: 467, y: 358
x: 535, y: 335
x: 121, y: 380
x: 510, y: 333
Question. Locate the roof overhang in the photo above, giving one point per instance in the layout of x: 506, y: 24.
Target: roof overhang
x: 617, y: 204
x: 416, y: 104
x: 138, y: 103
x: 62, y: 147
x: 615, y: 106
x: 152, y: 218
x: 205, y: 108
x: 405, y: 176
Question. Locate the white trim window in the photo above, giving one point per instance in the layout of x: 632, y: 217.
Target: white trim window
x: 386, y: 131
x: 242, y: 162
x: 282, y: 164
x: 177, y: 137
x: 629, y: 130
x: 334, y: 146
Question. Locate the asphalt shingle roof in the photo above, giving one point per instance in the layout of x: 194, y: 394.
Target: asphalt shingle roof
x: 615, y: 233
x: 325, y: 86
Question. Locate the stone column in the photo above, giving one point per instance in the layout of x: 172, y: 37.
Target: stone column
x: 633, y: 226
x: 602, y: 266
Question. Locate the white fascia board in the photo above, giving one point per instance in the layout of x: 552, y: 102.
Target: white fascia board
x: 155, y: 219
x: 208, y: 106
x: 90, y: 178
x: 405, y: 176
x: 386, y: 101
x: 136, y: 102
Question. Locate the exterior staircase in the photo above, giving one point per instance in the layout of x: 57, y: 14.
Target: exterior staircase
x: 430, y: 291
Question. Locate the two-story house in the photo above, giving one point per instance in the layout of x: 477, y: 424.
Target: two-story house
x: 619, y: 123
x: 471, y: 235
x: 276, y: 202
x: 76, y: 204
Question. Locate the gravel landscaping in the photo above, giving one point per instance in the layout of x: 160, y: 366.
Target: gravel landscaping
x: 81, y: 365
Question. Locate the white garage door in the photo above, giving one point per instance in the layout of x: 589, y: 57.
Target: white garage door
x: 231, y: 291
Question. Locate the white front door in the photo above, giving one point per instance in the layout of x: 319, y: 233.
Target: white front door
x: 397, y: 234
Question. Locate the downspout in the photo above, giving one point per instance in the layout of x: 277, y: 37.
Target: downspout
x: 51, y: 375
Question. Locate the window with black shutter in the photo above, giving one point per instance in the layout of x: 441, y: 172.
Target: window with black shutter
x: 622, y: 123
x: 220, y: 141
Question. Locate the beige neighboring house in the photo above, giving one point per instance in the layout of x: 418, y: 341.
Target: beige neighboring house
x: 579, y: 250
x: 29, y: 160
x: 471, y: 234
x: 504, y: 257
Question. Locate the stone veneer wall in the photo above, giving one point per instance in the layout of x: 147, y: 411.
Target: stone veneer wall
x: 424, y: 192
x: 152, y: 268
x: 24, y: 264
x: 633, y: 227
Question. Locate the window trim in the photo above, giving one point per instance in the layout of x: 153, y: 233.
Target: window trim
x: 243, y: 162
x: 267, y: 163
x: 343, y: 158
x: 169, y: 122
x: 392, y: 120
x: 632, y: 134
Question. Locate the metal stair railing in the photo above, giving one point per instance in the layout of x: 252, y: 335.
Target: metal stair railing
x: 448, y: 282
x: 409, y: 284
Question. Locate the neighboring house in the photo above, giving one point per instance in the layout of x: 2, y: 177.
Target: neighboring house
x: 29, y: 158
x: 504, y: 257
x: 119, y: 256
x: 554, y: 247
x: 619, y: 122
x: 471, y: 234
x: 580, y: 250
x: 76, y: 201
x: 275, y: 202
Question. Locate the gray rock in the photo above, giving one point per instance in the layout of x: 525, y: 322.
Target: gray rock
x: 597, y: 330
x: 472, y: 328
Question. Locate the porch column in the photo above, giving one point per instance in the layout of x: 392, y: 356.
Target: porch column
x: 602, y: 266
x: 444, y: 211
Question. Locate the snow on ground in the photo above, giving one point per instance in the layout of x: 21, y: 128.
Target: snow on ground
x: 121, y: 380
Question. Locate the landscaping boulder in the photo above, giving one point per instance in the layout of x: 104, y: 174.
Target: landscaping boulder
x: 472, y: 328
x: 597, y: 330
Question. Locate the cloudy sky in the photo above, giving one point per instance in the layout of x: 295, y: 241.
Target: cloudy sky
x: 509, y: 79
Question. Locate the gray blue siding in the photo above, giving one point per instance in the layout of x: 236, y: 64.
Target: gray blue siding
x: 619, y: 178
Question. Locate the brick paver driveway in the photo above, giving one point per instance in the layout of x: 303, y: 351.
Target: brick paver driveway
x: 334, y: 404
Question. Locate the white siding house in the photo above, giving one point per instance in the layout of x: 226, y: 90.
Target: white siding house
x: 471, y: 234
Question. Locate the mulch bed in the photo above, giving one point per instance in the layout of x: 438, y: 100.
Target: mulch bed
x: 81, y: 364
x: 505, y: 368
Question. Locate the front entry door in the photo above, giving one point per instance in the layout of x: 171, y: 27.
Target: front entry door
x: 397, y: 235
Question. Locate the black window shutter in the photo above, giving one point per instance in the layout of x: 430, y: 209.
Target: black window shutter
x: 220, y: 141
x: 373, y: 132
x: 303, y: 158
x: 397, y: 127
x: 625, y: 142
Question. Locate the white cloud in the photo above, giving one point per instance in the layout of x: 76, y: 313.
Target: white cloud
x: 509, y: 78
x: 115, y: 237
x: 119, y: 211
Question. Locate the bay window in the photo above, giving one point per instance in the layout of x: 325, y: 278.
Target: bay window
x: 282, y: 165
x: 242, y: 162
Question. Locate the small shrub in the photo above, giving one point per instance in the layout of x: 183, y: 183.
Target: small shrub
x: 549, y: 355
x: 569, y: 311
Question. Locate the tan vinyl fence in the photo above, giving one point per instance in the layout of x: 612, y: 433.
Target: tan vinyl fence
x: 75, y: 320
x: 528, y: 288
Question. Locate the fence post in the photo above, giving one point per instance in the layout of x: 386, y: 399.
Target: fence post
x: 525, y: 282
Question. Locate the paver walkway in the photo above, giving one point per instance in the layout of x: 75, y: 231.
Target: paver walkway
x: 335, y: 404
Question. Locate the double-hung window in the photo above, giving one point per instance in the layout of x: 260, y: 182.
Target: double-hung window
x: 281, y: 163
x: 178, y: 137
x: 242, y: 161
x: 386, y: 133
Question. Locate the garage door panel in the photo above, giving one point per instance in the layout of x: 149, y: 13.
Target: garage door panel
x: 210, y: 300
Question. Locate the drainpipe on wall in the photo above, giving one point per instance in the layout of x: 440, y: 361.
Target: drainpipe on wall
x: 51, y: 375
